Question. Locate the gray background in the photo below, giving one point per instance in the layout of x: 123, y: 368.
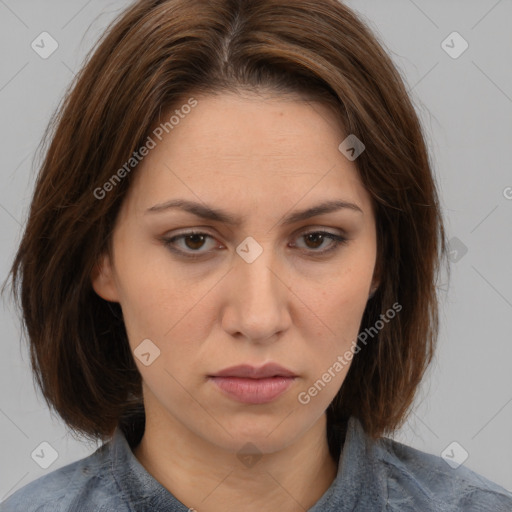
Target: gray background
x: 465, y: 105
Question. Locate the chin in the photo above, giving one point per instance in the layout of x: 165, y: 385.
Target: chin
x: 267, y: 434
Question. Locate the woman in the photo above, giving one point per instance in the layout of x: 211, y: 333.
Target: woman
x: 228, y: 272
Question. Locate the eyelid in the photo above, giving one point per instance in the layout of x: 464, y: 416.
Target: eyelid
x: 206, y: 230
x: 337, y: 240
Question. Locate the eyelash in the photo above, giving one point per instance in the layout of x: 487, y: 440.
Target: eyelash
x: 337, y: 242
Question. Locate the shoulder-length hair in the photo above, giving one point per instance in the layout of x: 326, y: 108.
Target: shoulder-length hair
x: 155, y: 54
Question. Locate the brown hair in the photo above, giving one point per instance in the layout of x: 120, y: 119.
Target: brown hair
x: 155, y: 54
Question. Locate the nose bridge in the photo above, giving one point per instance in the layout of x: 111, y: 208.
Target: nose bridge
x: 260, y: 282
x: 259, y: 301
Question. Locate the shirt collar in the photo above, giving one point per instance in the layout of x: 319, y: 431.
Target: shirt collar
x: 355, y: 484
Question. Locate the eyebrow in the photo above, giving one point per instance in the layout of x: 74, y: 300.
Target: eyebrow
x: 215, y: 214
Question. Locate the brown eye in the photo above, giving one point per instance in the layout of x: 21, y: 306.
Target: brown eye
x: 315, y: 239
x: 192, y: 244
x: 196, y: 241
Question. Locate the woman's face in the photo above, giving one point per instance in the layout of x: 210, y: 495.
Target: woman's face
x: 254, y: 291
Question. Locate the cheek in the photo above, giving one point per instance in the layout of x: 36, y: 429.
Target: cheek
x: 148, y: 292
x: 163, y: 304
x: 341, y: 300
x: 336, y: 313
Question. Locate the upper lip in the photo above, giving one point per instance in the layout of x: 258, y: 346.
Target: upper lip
x: 248, y: 371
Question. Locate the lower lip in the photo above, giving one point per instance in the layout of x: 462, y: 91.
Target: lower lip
x: 253, y: 391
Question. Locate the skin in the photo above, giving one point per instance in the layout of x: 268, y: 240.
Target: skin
x: 259, y: 157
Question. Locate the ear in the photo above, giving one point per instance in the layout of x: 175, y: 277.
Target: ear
x: 102, y: 279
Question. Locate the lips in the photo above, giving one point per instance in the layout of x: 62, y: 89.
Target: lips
x: 251, y: 385
x: 251, y: 372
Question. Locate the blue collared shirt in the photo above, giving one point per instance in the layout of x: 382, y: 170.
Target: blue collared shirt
x: 374, y: 475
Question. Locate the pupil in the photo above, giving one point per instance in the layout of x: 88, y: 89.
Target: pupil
x: 197, y: 238
x: 318, y: 237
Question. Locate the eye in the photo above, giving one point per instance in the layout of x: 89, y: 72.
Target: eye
x: 193, y: 241
x: 315, y: 239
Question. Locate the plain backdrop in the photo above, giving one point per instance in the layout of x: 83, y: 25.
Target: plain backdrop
x: 464, y: 100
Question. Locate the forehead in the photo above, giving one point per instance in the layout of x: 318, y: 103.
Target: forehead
x: 250, y: 148
x: 252, y: 126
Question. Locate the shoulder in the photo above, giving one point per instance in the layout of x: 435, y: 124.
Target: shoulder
x: 87, y: 482
x: 413, y: 476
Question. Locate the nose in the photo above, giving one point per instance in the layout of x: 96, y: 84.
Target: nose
x: 257, y: 308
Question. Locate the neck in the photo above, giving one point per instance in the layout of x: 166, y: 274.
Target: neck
x: 208, y: 478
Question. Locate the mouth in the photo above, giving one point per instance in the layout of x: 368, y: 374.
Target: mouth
x: 251, y: 385
x: 252, y: 372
